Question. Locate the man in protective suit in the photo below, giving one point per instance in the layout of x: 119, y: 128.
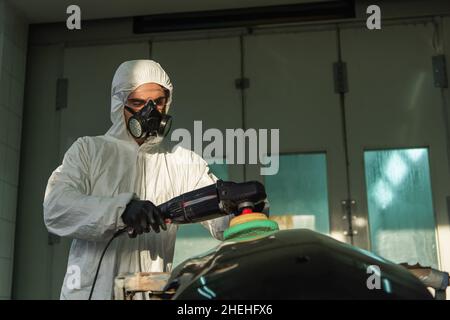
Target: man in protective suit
x: 114, y: 181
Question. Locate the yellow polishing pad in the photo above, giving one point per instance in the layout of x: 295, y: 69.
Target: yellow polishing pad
x: 247, y: 218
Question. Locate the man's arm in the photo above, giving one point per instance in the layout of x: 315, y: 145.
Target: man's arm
x: 70, y: 210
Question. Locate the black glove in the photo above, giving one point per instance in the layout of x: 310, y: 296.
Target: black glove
x: 142, y: 216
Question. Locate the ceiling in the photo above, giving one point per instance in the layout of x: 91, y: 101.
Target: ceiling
x: 44, y: 11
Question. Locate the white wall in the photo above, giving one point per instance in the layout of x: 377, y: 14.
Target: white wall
x: 13, y: 47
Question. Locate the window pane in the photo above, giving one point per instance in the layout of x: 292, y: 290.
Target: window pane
x: 401, y: 217
x: 219, y: 170
x: 194, y: 239
x: 298, y: 193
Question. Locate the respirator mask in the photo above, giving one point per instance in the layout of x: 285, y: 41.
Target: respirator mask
x: 148, y: 122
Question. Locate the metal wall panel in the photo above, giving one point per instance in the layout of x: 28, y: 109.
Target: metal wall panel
x: 292, y: 89
x: 392, y: 103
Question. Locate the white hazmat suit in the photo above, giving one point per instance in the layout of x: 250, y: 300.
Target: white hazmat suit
x: 87, y: 194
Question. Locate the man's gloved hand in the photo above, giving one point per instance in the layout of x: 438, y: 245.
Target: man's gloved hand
x: 141, y: 216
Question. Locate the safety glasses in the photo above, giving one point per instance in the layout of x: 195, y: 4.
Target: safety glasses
x: 139, y: 103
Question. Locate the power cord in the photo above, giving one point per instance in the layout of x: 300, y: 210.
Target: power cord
x: 118, y: 233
